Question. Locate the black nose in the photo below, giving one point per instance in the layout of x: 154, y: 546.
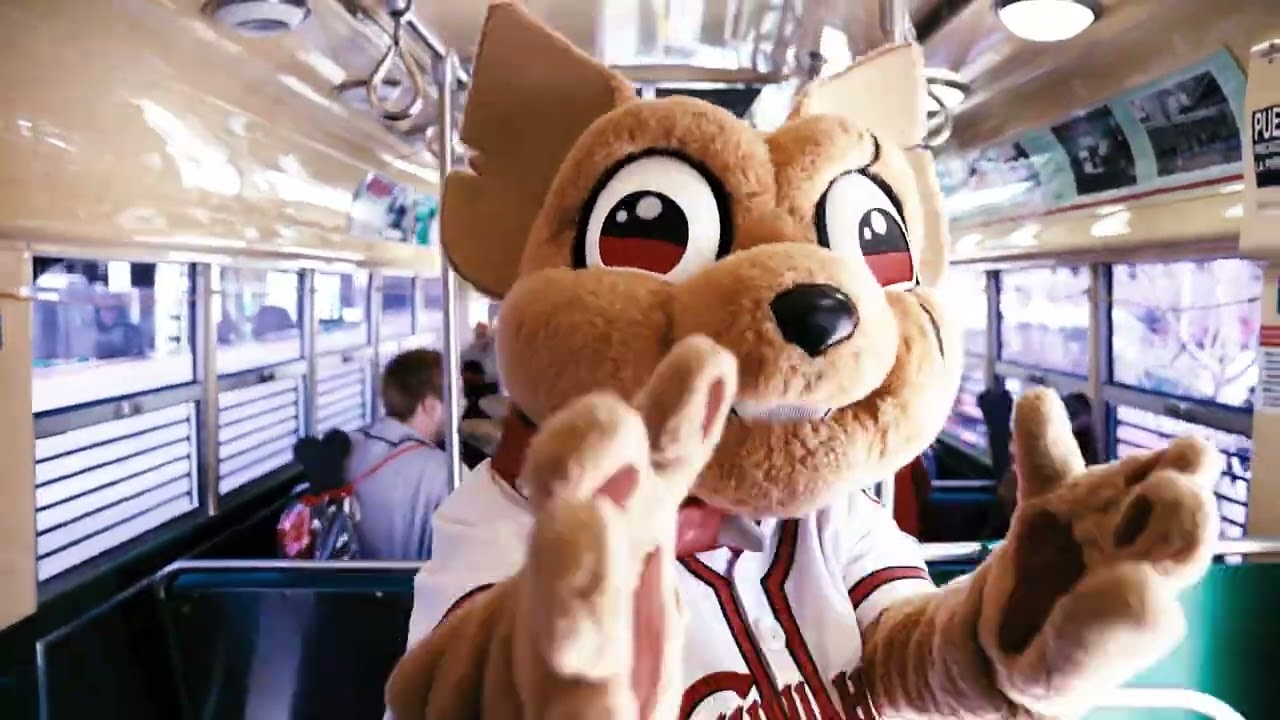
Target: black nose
x: 814, y: 318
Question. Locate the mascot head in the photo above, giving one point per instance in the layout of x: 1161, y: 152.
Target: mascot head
x: 611, y: 227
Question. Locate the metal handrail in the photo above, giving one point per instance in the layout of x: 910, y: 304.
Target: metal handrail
x: 435, y: 45
x: 300, y: 565
x: 933, y: 552
x: 961, y: 551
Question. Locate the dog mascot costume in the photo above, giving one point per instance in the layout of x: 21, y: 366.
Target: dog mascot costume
x: 723, y: 336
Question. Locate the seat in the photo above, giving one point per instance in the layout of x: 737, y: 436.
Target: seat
x: 233, y: 639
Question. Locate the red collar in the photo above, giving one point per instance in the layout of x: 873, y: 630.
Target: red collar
x: 698, y: 525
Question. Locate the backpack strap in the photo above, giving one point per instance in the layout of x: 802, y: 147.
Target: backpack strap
x: 398, y: 452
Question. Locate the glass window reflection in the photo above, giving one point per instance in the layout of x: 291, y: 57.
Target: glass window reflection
x: 108, y: 329
x: 966, y: 290
x: 259, y: 318
x: 431, y: 312
x: 1044, y: 319
x: 397, y: 307
x: 965, y: 424
x: 1188, y: 329
x: 342, y: 310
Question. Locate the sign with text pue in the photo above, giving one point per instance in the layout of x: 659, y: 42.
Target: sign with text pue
x: 1260, y: 231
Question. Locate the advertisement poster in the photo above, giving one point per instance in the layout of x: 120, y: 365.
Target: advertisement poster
x: 1190, y: 125
x: 977, y: 184
x: 1098, y: 150
x: 380, y: 208
x: 1187, y: 125
x: 1179, y: 130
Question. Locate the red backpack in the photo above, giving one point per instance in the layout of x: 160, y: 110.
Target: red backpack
x: 320, y: 524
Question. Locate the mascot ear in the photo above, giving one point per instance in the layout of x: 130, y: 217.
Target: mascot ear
x: 885, y: 92
x: 532, y: 95
x: 935, y: 228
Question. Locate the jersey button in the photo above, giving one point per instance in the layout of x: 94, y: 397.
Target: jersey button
x: 771, y: 635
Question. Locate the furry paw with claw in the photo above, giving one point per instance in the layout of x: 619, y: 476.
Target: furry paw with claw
x: 606, y: 479
x: 1083, y: 594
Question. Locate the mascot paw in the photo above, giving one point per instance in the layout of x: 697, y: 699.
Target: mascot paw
x: 1083, y: 595
x: 606, y: 479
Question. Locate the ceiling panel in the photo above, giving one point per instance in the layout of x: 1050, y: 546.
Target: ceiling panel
x: 1018, y: 85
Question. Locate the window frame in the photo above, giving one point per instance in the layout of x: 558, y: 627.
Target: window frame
x: 82, y: 414
x: 1099, y: 386
x: 56, y: 421
x: 1197, y: 407
x: 373, y: 314
x: 213, y: 319
x: 204, y: 391
x: 1063, y: 382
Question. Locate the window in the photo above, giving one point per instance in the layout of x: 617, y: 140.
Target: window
x: 1138, y: 431
x: 1187, y: 329
x: 1044, y: 319
x: 397, y: 307
x: 258, y: 322
x: 966, y: 291
x: 965, y: 426
x: 342, y: 310
x: 1014, y: 386
x: 108, y: 329
x: 103, y: 485
x: 431, y: 312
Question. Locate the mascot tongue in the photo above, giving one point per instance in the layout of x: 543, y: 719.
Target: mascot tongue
x: 698, y: 524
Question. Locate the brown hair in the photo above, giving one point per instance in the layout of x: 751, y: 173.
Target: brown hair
x: 411, y: 377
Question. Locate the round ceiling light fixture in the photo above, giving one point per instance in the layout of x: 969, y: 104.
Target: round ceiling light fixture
x: 1047, y: 20
x: 945, y: 87
x: 259, y: 18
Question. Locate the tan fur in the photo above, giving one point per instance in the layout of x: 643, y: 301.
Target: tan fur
x: 1069, y: 606
x: 1080, y: 597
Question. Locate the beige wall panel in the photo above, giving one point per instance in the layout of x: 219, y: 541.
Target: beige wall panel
x: 17, y: 444
x: 138, y: 122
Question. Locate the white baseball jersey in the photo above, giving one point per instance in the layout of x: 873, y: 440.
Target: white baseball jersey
x: 773, y: 634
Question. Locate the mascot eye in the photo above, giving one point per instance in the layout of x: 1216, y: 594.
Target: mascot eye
x: 657, y: 214
x: 860, y: 215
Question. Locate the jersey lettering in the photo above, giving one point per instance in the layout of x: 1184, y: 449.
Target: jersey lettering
x: 704, y: 699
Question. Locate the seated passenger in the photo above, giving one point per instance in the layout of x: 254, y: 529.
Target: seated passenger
x: 475, y: 387
x: 399, y: 473
x: 270, y: 320
x: 483, y: 350
x: 1080, y: 410
x: 117, y: 336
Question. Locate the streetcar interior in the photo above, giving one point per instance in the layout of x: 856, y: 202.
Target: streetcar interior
x: 220, y: 221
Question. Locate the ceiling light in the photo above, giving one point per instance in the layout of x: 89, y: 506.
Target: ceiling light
x: 1047, y: 20
x: 257, y: 18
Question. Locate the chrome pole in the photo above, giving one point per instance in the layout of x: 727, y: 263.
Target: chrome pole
x: 452, y: 380
x: 895, y: 20
x: 436, y: 46
x: 208, y: 311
